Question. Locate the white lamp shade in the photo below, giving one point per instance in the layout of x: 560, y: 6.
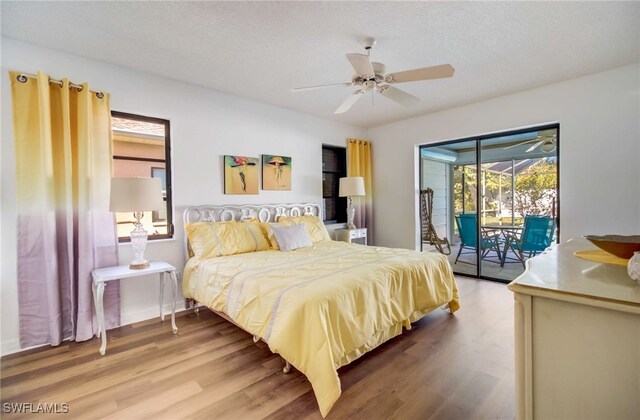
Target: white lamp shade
x: 135, y: 194
x: 351, y: 186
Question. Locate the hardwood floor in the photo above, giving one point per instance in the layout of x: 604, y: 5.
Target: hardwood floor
x: 447, y: 367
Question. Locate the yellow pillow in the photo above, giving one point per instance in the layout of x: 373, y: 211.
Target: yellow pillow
x: 208, y: 240
x: 317, y: 230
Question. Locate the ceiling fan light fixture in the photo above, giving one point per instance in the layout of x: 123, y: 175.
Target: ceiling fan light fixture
x: 548, y: 147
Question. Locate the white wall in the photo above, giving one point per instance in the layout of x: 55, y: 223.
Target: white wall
x: 599, y: 118
x: 205, y: 124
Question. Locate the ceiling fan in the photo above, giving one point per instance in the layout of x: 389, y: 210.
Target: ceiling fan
x: 546, y: 143
x: 370, y: 77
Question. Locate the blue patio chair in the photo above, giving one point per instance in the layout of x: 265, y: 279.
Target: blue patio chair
x: 537, y: 235
x: 467, y: 228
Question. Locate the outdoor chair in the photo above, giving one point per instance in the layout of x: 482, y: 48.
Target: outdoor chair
x: 468, y: 229
x: 537, y: 235
x: 428, y: 231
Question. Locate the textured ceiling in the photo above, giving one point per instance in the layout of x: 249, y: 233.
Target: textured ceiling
x: 261, y: 50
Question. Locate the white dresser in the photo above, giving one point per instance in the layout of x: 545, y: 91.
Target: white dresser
x: 577, y: 333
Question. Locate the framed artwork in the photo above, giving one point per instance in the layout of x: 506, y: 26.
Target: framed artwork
x: 276, y: 172
x: 240, y: 175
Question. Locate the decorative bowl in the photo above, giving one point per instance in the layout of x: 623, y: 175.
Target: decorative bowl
x: 619, y: 245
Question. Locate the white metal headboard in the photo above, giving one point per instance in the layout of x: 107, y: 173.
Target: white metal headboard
x: 263, y: 212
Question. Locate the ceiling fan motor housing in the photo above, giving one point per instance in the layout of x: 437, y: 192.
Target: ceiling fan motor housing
x: 379, y: 69
x: 370, y: 83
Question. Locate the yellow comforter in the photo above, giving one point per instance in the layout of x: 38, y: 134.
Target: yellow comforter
x: 324, y: 306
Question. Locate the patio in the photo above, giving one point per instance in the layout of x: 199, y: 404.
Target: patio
x: 467, y: 264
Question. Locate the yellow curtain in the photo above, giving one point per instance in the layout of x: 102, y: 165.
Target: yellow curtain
x: 63, y: 169
x: 359, y: 164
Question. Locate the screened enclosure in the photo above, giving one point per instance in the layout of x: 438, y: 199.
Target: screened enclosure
x: 487, y: 192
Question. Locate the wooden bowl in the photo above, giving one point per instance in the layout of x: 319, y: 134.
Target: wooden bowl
x: 619, y: 245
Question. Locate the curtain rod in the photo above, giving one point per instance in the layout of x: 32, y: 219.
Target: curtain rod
x: 22, y: 78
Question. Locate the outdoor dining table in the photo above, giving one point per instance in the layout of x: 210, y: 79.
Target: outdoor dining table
x: 503, y: 229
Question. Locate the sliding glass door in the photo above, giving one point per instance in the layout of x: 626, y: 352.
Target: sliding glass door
x: 494, y: 198
x: 448, y: 190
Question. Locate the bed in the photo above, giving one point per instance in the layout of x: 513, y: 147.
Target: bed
x: 318, y: 307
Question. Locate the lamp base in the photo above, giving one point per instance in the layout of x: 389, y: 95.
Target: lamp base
x: 138, y: 244
x: 139, y: 266
x: 351, y: 212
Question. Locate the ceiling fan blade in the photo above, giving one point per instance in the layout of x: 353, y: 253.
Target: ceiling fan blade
x: 425, y: 73
x: 362, y: 64
x: 348, y: 103
x: 521, y: 143
x: 302, y: 89
x: 397, y: 95
x: 535, y: 146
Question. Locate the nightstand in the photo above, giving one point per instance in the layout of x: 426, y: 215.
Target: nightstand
x: 358, y: 235
x: 103, y: 275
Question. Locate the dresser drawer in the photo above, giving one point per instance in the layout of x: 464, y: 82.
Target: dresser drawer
x: 349, y: 235
x: 358, y: 233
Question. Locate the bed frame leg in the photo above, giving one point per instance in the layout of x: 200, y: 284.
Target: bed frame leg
x: 287, y: 367
x: 192, y: 304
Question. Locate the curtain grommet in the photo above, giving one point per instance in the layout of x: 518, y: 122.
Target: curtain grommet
x: 21, y: 78
x: 100, y: 95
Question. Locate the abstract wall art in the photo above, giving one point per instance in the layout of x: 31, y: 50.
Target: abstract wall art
x: 240, y: 175
x: 276, y: 172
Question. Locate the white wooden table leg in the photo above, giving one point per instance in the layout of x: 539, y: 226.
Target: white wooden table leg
x: 161, y: 297
x: 174, y: 282
x: 100, y: 316
x: 95, y: 305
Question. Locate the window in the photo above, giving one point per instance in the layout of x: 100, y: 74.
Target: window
x: 142, y: 148
x: 334, y: 167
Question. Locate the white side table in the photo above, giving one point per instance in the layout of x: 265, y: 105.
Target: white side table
x: 102, y: 275
x: 352, y: 235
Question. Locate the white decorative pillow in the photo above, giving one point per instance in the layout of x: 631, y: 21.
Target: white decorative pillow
x: 317, y: 230
x: 291, y: 238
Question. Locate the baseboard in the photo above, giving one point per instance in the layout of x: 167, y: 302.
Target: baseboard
x: 11, y: 346
x: 151, y: 312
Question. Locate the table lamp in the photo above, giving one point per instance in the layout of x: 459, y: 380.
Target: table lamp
x: 351, y: 186
x: 136, y: 195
